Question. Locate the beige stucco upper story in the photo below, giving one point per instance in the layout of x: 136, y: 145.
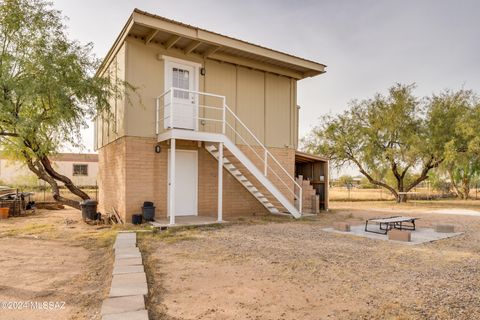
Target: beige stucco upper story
x: 260, y: 84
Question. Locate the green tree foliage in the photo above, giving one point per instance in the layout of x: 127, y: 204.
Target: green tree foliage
x: 345, y: 180
x: 48, y: 88
x: 439, y: 182
x: 462, y: 151
x: 394, y: 140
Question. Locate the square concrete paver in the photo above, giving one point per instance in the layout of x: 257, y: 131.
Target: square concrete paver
x: 127, y: 250
x: 127, y: 269
x: 128, y: 262
x: 127, y: 253
x: 123, y: 304
x: 125, y: 243
x: 129, y: 284
x: 122, y: 235
x: 134, y: 315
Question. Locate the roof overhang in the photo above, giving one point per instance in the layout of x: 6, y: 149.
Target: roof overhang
x: 174, y: 35
x: 302, y: 157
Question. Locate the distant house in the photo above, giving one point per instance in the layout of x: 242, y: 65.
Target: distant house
x: 81, y: 168
x: 212, y: 129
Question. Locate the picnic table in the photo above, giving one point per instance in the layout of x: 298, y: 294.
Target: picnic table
x: 389, y: 223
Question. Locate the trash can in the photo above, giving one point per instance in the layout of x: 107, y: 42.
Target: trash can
x: 137, y: 218
x: 89, y: 209
x: 148, y: 211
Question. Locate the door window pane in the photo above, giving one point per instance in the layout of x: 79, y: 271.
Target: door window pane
x: 181, y: 79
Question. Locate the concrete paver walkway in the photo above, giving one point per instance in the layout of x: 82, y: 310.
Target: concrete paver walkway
x: 129, y: 282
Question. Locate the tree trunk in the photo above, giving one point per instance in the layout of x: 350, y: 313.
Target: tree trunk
x: 457, y: 190
x: 66, y: 181
x: 402, y: 197
x: 37, y: 168
x: 466, y: 188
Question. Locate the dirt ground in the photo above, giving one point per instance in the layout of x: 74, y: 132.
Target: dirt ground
x: 52, y: 256
x: 284, y: 269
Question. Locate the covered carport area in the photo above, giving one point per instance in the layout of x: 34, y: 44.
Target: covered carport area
x: 314, y: 169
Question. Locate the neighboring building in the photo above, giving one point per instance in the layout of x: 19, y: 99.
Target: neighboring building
x: 203, y: 94
x: 81, y: 168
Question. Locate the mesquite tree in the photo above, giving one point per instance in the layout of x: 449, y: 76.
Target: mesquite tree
x: 462, y: 151
x: 396, y: 134
x: 48, y: 89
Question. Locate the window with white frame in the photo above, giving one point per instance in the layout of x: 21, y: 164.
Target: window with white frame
x: 80, y: 169
x: 181, y: 79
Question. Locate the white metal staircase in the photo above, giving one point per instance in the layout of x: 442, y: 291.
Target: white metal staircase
x: 237, y: 174
x: 214, y: 122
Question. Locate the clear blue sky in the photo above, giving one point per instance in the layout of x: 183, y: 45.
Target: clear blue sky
x: 367, y: 45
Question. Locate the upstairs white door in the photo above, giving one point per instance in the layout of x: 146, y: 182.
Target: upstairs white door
x: 185, y: 104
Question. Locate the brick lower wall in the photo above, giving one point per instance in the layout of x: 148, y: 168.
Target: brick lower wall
x: 130, y: 172
x: 286, y: 158
x: 111, y: 177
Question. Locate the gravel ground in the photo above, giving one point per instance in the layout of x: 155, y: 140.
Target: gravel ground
x: 285, y: 269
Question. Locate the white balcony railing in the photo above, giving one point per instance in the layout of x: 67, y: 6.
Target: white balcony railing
x: 206, y: 112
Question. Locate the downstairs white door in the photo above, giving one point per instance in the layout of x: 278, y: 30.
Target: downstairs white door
x: 186, y: 182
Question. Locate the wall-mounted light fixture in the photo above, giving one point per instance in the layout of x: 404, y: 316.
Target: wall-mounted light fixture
x: 158, y: 149
x: 202, y: 71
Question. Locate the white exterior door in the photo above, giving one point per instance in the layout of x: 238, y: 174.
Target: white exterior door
x: 185, y: 104
x: 186, y: 182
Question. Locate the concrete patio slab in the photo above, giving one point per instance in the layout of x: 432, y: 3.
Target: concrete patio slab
x: 134, y: 315
x: 185, y: 221
x: 454, y: 211
x: 130, y: 284
x: 123, y: 304
x: 128, y: 262
x: 128, y: 269
x: 421, y: 235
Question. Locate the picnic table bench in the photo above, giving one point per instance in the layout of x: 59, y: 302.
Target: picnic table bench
x: 388, y: 223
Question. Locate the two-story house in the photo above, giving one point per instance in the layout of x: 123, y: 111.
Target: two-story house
x: 211, y: 129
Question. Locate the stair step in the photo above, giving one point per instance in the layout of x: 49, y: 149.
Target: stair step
x: 245, y: 177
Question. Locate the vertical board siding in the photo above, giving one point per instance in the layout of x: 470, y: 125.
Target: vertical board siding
x: 120, y: 112
x: 264, y: 101
x: 251, y: 102
x: 278, y: 111
x: 220, y: 79
x: 146, y: 73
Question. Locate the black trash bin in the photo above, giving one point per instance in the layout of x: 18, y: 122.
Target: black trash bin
x: 89, y: 209
x: 148, y: 211
x: 137, y: 219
